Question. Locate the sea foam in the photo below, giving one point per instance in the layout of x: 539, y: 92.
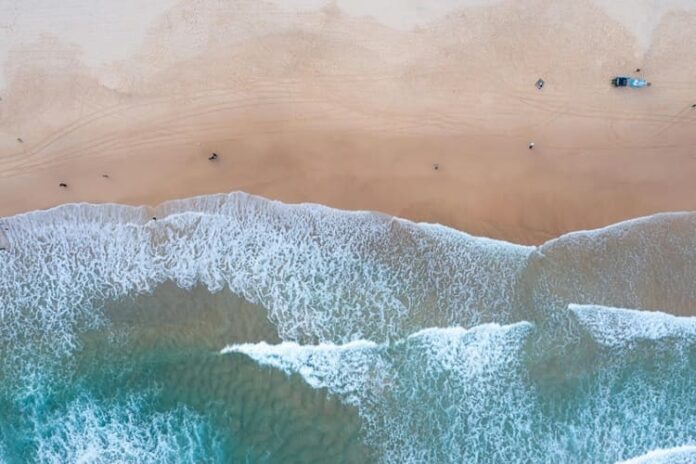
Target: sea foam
x: 326, y: 275
x: 466, y: 395
x: 92, y: 431
x: 399, y: 320
x: 322, y: 274
x: 679, y: 455
x: 419, y: 397
x: 620, y: 327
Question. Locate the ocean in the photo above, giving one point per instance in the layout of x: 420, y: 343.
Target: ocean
x: 230, y: 328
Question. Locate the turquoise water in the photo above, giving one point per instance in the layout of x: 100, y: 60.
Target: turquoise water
x: 234, y: 329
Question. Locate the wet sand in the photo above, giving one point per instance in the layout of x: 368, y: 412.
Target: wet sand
x: 354, y: 109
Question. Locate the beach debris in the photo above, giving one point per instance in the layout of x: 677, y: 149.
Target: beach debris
x: 63, y: 185
x: 19, y: 140
x: 213, y: 156
x: 540, y: 84
x: 531, y: 145
x: 436, y: 167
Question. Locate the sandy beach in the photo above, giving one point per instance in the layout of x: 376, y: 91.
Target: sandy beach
x: 221, y: 326
x: 424, y: 113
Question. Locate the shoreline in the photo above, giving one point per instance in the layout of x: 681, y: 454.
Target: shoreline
x: 523, y: 198
x: 184, y: 205
x: 328, y: 106
x: 591, y: 265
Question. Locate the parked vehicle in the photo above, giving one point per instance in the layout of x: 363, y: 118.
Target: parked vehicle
x: 625, y: 81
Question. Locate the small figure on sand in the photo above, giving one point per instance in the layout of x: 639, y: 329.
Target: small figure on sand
x: 531, y: 145
x: 213, y: 156
x: 539, y: 84
x: 63, y: 185
x: 105, y: 176
x: 19, y: 140
x: 154, y: 218
x: 694, y: 105
x: 637, y: 69
x: 436, y: 167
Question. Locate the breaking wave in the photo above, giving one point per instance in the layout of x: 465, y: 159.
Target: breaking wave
x: 457, y: 395
x: 322, y: 274
x: 448, y: 347
x: 679, y: 455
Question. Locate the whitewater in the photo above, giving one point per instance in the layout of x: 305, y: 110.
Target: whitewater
x: 231, y: 328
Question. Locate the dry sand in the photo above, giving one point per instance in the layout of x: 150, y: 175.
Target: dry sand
x: 352, y: 103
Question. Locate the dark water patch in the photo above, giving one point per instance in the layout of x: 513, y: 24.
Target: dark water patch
x: 153, y: 380
x: 195, y: 317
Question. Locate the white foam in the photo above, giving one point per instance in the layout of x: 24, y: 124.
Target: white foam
x: 679, y: 455
x: 342, y: 368
x: 342, y: 278
x: 89, y: 431
x: 418, y: 397
x: 323, y: 274
x: 464, y: 395
x: 618, y: 326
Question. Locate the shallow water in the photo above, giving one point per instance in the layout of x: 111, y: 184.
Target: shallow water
x: 234, y: 329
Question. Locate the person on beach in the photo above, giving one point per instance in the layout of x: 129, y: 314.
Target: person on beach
x: 531, y: 145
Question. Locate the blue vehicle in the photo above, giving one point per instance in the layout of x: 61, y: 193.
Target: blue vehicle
x: 623, y: 81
